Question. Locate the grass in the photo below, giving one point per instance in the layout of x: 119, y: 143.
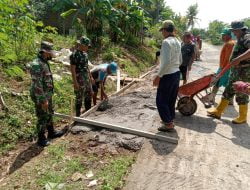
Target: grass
x: 57, y: 164
x: 113, y: 173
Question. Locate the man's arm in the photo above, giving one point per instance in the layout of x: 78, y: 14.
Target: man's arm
x: 103, y: 94
x: 165, y: 58
x: 92, y: 80
x: 73, y: 72
x: 242, y: 57
x: 192, y: 59
x: 103, y: 77
x: 37, y: 79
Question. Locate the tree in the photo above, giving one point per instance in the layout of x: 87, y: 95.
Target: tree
x: 155, y: 9
x: 121, y: 16
x: 17, y: 31
x: 214, y: 29
x: 192, y: 12
x: 199, y: 31
x: 167, y: 14
x: 247, y: 22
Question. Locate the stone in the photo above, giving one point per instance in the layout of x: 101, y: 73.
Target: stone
x: 81, y: 128
x: 76, y: 176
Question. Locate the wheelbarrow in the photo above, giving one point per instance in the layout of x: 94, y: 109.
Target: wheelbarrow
x: 186, y: 104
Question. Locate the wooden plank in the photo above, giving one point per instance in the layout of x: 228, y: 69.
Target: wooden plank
x: 147, y: 73
x: 120, y: 128
x: 126, y: 79
x: 94, y: 108
x: 124, y: 88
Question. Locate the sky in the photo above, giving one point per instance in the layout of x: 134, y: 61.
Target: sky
x: 209, y: 10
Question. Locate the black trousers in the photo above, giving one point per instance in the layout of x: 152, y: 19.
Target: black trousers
x: 167, y: 95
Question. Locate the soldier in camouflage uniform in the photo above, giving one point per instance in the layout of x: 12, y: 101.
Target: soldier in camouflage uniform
x: 81, y: 75
x: 240, y: 61
x: 41, y: 93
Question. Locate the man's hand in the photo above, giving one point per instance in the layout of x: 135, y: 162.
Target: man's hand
x: 76, y: 86
x: 92, y: 80
x: 104, y: 96
x: 156, y: 81
x: 45, y: 106
x: 235, y: 61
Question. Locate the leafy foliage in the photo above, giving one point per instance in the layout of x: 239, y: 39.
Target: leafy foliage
x: 17, y: 32
x: 214, y: 30
x: 15, y: 72
x: 191, y: 15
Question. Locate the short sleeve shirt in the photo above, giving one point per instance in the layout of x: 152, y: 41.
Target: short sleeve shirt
x: 100, y: 72
x: 80, y: 60
x: 187, y: 50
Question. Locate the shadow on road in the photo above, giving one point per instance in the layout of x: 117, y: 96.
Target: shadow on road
x: 164, y: 148
x: 196, y: 123
x: 240, y: 132
x: 231, y: 112
x: 25, y: 157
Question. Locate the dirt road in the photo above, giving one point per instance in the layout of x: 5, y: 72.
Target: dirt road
x: 211, y: 154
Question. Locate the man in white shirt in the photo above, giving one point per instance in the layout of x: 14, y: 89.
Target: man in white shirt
x: 168, y: 76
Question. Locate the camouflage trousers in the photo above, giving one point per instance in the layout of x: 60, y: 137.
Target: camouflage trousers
x: 84, y: 93
x: 237, y: 74
x: 44, y: 118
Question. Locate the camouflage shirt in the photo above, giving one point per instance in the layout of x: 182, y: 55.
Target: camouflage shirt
x: 242, y: 45
x: 42, y: 81
x: 80, y: 60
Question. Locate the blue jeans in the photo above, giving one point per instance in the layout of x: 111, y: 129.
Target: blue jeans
x: 166, y: 96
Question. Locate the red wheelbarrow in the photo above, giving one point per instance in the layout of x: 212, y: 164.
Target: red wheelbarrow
x: 186, y: 104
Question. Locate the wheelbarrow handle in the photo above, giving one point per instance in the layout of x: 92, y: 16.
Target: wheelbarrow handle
x: 224, y: 70
x: 217, y: 77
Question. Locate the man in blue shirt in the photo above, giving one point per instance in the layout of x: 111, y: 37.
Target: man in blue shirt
x: 99, y: 74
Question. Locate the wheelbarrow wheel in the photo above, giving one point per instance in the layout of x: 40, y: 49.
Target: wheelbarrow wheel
x: 187, y: 106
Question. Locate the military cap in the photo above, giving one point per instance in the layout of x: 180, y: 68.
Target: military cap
x: 46, y: 46
x: 84, y: 41
x: 238, y: 25
x: 167, y: 24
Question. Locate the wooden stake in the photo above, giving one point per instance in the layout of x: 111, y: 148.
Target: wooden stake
x: 118, y: 82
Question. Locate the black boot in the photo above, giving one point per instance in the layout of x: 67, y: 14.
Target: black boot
x: 78, y: 110
x: 52, y: 133
x: 42, y: 141
x: 87, y: 103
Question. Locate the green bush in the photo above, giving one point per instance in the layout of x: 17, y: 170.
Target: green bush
x: 8, y: 57
x: 19, y: 29
x: 216, y: 39
x: 214, y: 31
x: 151, y: 42
x: 111, y: 53
x: 108, y: 56
x: 132, y: 41
x: 15, y: 72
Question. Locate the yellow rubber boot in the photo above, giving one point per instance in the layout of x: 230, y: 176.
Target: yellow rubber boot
x: 242, y: 118
x: 216, y: 112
